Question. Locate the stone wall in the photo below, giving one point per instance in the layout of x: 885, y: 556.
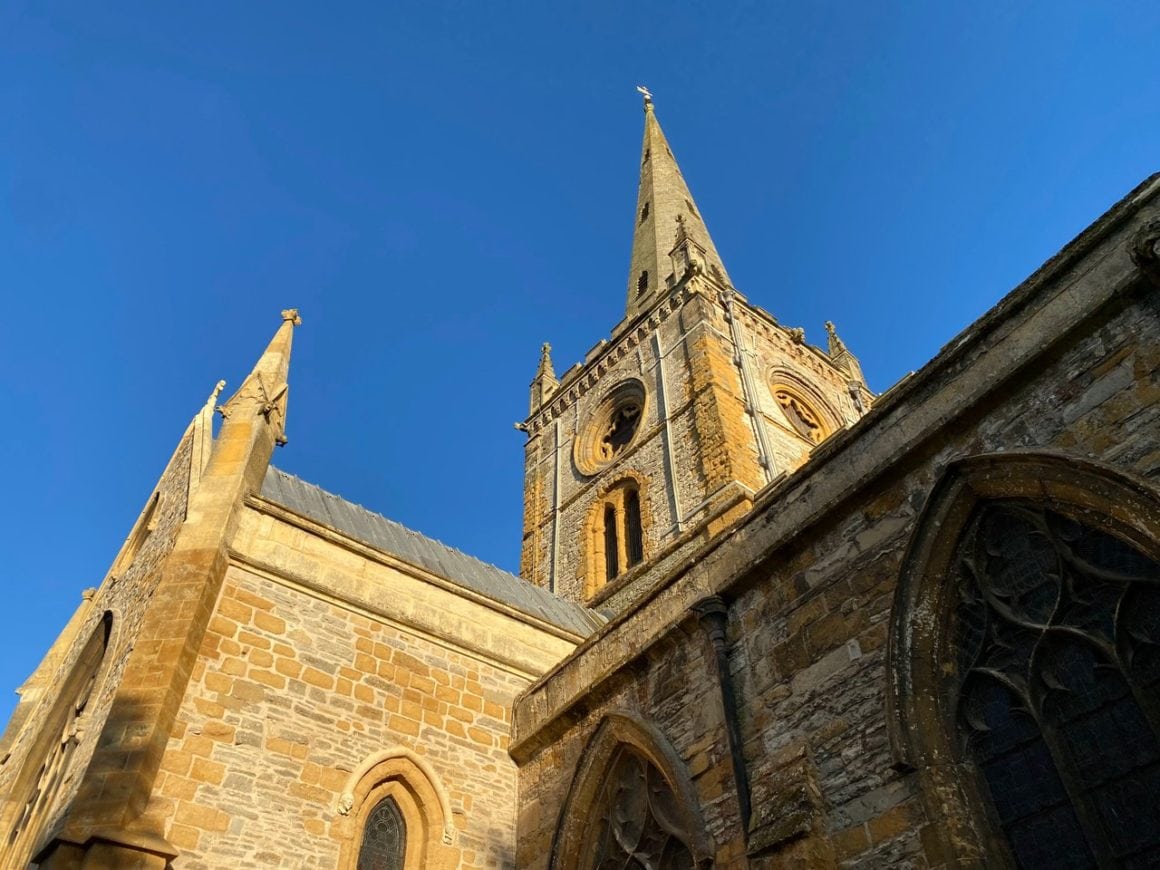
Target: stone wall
x: 290, y: 695
x: 325, y: 661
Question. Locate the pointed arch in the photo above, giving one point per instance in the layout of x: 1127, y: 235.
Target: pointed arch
x: 406, y: 782
x: 618, y: 732
x: 616, y: 531
x: 921, y: 648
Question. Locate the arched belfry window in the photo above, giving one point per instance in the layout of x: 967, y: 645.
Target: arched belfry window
x: 616, y: 534
x: 635, y: 819
x: 384, y: 842
x: 1056, y: 688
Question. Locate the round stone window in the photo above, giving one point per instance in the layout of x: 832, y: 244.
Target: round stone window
x: 611, y: 428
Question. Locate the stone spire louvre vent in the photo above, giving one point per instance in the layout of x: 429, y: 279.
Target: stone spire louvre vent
x: 662, y: 197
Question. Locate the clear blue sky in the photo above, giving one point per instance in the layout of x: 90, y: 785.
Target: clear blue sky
x: 440, y: 187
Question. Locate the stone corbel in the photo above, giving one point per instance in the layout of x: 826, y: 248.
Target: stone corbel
x: 1146, y: 251
x: 789, y: 801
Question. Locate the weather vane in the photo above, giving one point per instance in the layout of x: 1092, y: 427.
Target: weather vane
x: 645, y: 92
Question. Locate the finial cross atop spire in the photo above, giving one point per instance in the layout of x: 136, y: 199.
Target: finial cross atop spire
x: 646, y: 93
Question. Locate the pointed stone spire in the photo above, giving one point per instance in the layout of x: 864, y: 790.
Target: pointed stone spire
x: 842, y: 358
x: 544, y: 383
x: 662, y: 198
x: 267, y: 385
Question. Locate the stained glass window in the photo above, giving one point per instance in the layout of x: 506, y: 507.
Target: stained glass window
x: 1058, y: 667
x: 384, y: 843
x: 636, y: 822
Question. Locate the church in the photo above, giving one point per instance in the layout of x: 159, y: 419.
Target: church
x: 765, y: 618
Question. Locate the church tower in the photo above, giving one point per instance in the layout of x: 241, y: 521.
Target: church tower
x: 664, y: 432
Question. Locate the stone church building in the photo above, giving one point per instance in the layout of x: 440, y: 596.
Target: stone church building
x: 766, y: 618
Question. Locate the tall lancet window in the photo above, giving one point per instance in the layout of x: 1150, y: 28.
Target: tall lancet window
x: 384, y: 844
x: 634, y: 539
x: 1058, y: 686
x: 611, y: 544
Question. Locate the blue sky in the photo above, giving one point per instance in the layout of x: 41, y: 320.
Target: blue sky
x: 440, y: 187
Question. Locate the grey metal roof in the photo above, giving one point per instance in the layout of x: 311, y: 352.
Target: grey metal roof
x: 389, y: 536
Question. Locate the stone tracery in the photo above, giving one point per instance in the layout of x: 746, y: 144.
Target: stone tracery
x: 803, y: 418
x: 637, y: 822
x: 384, y: 844
x: 611, y: 427
x: 620, y: 429
x: 1058, y: 666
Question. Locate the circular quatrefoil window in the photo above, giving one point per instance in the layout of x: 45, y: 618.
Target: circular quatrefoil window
x: 611, y: 428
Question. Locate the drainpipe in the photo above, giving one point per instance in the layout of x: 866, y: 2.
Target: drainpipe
x: 713, y: 615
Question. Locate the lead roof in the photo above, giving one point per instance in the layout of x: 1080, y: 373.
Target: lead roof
x: 391, y: 537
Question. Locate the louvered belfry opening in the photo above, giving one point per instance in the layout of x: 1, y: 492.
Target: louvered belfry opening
x: 611, y: 560
x: 634, y: 538
x: 1057, y: 690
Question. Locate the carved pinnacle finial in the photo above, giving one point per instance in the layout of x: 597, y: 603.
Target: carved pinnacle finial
x: 544, y: 383
x: 545, y: 370
x: 217, y: 391
x: 836, y: 345
x: 644, y: 92
x: 291, y: 314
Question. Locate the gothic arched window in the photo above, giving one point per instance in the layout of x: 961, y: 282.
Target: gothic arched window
x: 384, y: 842
x: 635, y: 821
x: 1056, y: 693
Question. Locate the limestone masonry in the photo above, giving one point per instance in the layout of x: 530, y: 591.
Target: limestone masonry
x: 765, y: 619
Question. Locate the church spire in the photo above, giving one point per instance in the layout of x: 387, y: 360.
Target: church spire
x: 664, y: 211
